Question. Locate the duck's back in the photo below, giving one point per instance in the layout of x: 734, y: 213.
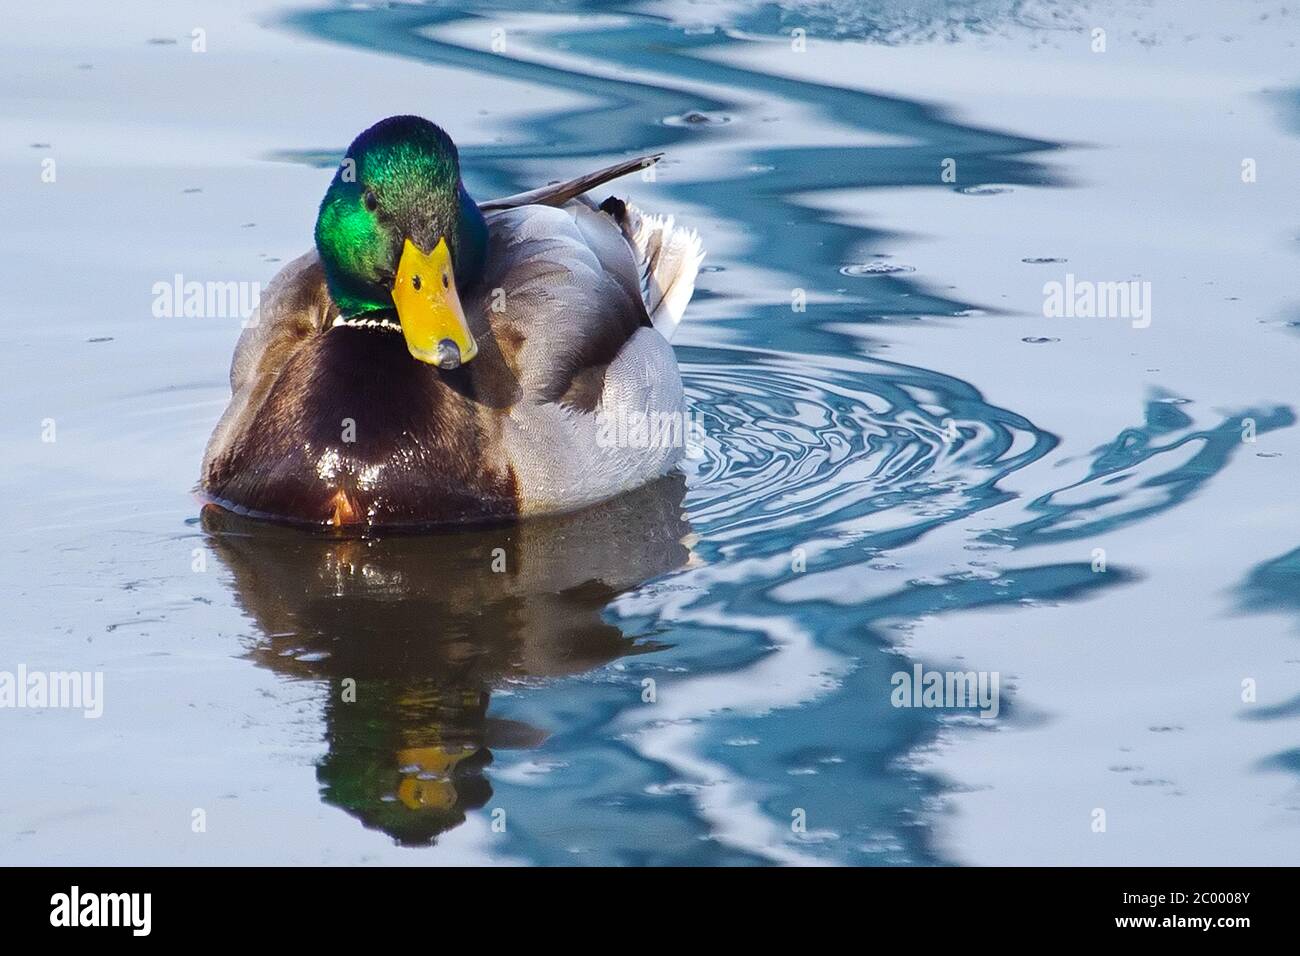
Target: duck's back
x: 599, y: 406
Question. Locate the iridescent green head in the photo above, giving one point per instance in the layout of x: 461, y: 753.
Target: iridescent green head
x: 397, y: 231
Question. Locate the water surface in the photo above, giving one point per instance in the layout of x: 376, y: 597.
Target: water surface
x: 917, y: 467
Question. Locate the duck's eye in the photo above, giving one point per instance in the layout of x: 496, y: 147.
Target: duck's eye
x: 446, y: 280
x: 370, y: 199
x: 415, y: 281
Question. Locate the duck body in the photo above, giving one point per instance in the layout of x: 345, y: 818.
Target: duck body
x: 333, y: 422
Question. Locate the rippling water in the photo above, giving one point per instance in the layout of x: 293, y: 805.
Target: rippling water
x: 677, y: 676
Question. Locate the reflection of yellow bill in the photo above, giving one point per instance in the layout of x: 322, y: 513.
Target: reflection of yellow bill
x: 435, y: 792
x: 417, y: 794
x: 428, y: 307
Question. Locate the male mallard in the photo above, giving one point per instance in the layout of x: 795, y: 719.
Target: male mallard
x: 437, y: 361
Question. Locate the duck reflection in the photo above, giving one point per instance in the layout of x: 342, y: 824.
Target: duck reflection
x: 412, y: 633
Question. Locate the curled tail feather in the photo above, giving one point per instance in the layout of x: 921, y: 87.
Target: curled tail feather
x: 669, y: 257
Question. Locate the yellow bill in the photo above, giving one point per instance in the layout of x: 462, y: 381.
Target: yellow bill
x: 428, y: 307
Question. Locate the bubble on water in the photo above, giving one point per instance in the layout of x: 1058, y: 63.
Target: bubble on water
x: 696, y: 118
x: 874, y: 268
x: 983, y: 190
x: 673, y: 789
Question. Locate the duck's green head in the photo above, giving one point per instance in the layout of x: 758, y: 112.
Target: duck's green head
x: 397, y: 231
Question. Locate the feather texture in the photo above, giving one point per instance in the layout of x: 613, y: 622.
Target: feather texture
x: 669, y: 258
x: 557, y: 194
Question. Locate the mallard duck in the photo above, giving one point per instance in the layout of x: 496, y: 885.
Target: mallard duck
x: 438, y: 361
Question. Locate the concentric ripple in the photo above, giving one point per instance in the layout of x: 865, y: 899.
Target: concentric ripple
x: 790, y: 445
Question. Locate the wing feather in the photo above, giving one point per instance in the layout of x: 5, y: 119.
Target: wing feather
x: 557, y: 194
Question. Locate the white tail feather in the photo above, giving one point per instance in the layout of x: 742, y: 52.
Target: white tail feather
x: 669, y: 257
